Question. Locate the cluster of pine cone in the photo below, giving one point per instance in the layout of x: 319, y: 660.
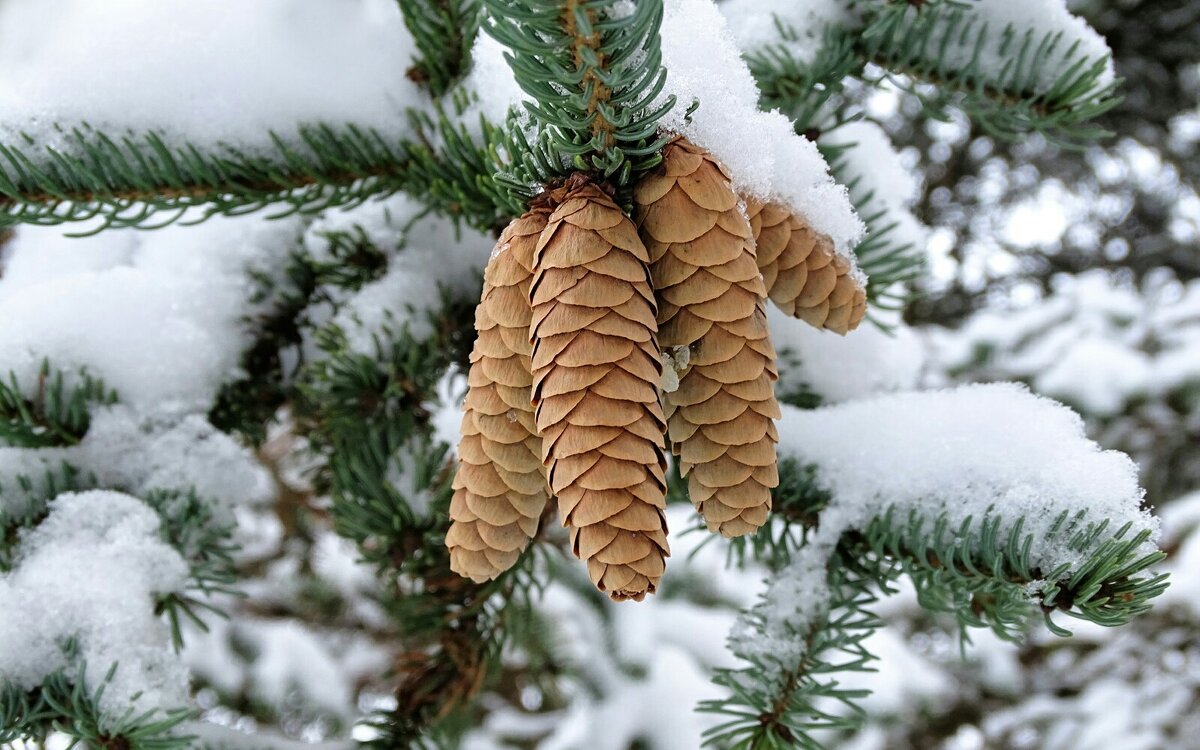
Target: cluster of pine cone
x: 581, y: 307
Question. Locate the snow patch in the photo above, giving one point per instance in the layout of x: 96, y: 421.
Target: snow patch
x: 91, y: 572
x: 210, y: 72
x: 159, y: 316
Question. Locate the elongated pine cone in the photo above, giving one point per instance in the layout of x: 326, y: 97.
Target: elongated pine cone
x: 500, y: 490
x: 596, y: 371
x: 712, y: 302
x: 804, y: 274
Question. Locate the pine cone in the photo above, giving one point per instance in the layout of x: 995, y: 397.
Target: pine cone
x: 596, y: 370
x: 500, y: 489
x: 804, y: 274
x: 712, y: 302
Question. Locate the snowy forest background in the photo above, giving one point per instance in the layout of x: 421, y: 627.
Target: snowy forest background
x: 1074, y: 272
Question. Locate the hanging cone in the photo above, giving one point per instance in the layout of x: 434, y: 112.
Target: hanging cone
x: 712, y: 302
x: 804, y: 274
x: 596, y: 370
x: 500, y: 489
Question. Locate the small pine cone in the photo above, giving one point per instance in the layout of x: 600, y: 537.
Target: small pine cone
x: 804, y: 274
x: 500, y: 489
x: 712, y: 301
x: 596, y: 371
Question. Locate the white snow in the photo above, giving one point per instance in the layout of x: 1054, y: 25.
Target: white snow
x: 492, y: 83
x: 218, y: 737
x: 1092, y: 343
x: 762, y: 151
x: 90, y: 572
x: 1181, y: 526
x: 635, y: 672
x: 159, y: 316
x: 1096, y: 375
x: 960, y: 452
x: 284, y: 663
x: 143, y: 453
x: 211, y: 71
x: 877, y: 164
x: 291, y: 658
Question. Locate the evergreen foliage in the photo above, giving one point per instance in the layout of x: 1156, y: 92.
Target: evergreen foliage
x: 443, y: 31
x: 62, y: 705
x: 593, y: 74
x: 55, y: 415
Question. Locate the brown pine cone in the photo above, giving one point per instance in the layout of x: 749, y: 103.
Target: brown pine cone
x: 805, y: 276
x: 500, y: 489
x: 712, y: 302
x: 596, y: 370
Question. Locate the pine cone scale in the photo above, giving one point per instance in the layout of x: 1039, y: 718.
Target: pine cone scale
x: 805, y: 276
x: 704, y: 267
x: 500, y: 489
x: 596, y: 372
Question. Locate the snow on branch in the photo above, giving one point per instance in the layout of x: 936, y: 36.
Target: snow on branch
x: 137, y: 112
x: 1018, y: 66
x: 1064, y: 44
x: 798, y: 28
x: 438, y: 262
x: 961, y: 456
x: 962, y: 452
x: 158, y: 316
x: 767, y: 158
x: 884, y: 190
x: 984, y: 489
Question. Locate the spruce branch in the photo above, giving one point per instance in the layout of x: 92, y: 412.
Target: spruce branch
x: 921, y: 49
x: 25, y: 499
x: 799, y: 697
x: 147, y: 181
x: 190, y: 525
x: 391, y: 489
x: 249, y: 404
x: 593, y: 69
x: 889, y: 262
x: 987, y: 560
x: 444, y: 31
x: 62, y: 704
x: 804, y: 90
x: 921, y: 44
x: 56, y: 415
